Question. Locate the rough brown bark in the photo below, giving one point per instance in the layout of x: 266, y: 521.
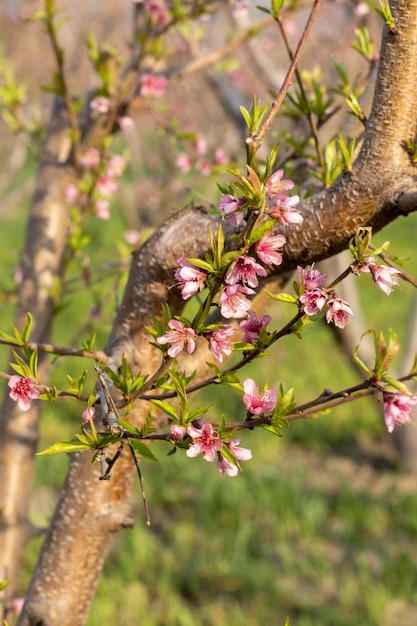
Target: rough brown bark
x: 90, y: 511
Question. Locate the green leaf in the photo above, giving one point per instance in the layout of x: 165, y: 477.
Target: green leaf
x: 359, y: 361
x: 275, y: 430
x: 88, y: 344
x: 142, y: 449
x: 263, y: 9
x: 396, y: 384
x: 283, y: 297
x: 226, y: 452
x: 203, y: 265
x: 260, y: 231
x: 229, y: 257
x: 385, y: 13
x: 21, y: 367
x: 246, y: 116
x: 27, y: 328
x: 117, y: 382
x: 166, y: 407
x: 347, y: 152
x: 241, y: 346
x: 11, y: 340
x: 129, y: 427
x: 201, y: 410
x: 254, y: 179
x: 147, y: 426
x: 65, y: 447
x: 3, y: 584
x: 276, y: 6
x: 33, y: 364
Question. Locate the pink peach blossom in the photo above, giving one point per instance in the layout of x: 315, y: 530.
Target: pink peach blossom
x: 90, y: 159
x: 190, y: 278
x: 203, y: 166
x: 220, y: 157
x: 200, y: 145
x: 180, y: 337
x: 183, y: 162
x: 177, y: 432
x: 276, y: 185
x: 101, y: 209
x: 126, y: 124
x: 245, y: 270
x: 106, y: 185
x: 158, y: 12
x: 116, y: 166
x: 219, y: 342
x: 22, y: 391
x: 230, y: 207
x: 205, y: 440
x: 132, y: 237
x: 88, y: 413
x: 384, y: 277
x: 313, y: 301
x: 71, y: 193
x: 338, y: 312
x: 224, y: 466
x: 152, y: 85
x: 266, y: 249
x: 252, y: 327
x: 310, y: 278
x: 233, y: 301
x: 397, y: 409
x: 100, y: 104
x: 258, y: 403
x: 284, y: 211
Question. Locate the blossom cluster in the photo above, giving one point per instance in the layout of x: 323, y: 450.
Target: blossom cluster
x: 100, y: 174
x: 240, y: 281
x: 383, y: 276
x: 282, y: 208
x: 207, y: 441
x: 314, y: 298
x: 197, y: 157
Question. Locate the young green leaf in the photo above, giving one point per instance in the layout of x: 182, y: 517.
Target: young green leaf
x: 65, y: 447
x: 142, y: 449
x: 166, y: 407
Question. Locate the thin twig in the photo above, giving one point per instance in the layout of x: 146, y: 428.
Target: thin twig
x: 142, y: 486
x: 98, y: 355
x: 254, y: 140
x: 59, y: 58
x: 310, y: 119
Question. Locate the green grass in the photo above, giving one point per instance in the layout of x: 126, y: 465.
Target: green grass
x: 309, y: 529
x: 296, y: 534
